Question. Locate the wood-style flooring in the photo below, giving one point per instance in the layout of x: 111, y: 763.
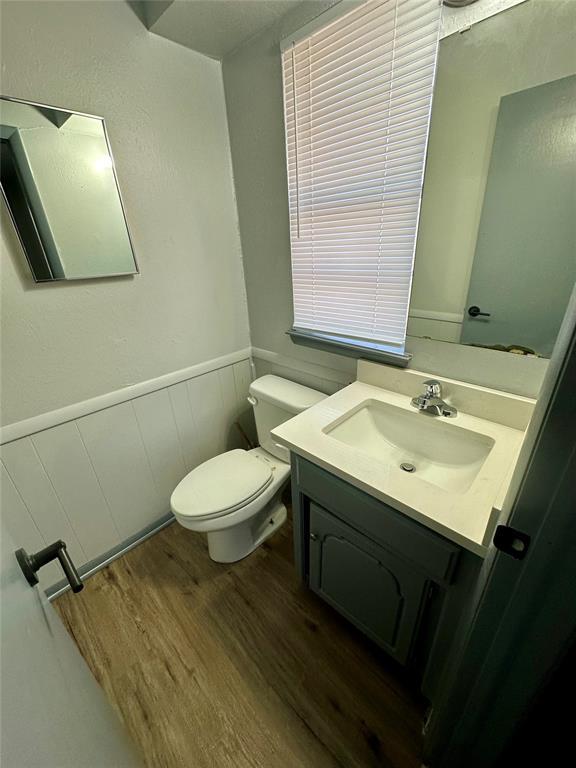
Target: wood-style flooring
x: 237, y: 666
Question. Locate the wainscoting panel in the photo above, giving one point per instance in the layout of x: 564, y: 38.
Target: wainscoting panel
x: 161, y: 441
x: 70, y: 469
x: 205, y: 400
x: 29, y: 476
x: 112, y: 439
x: 99, y: 479
x: 187, y: 434
x: 21, y: 525
x: 228, y: 395
x: 242, y: 379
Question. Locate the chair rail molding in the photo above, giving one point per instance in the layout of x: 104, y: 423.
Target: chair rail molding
x: 74, y: 411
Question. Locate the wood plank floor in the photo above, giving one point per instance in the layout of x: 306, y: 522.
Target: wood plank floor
x: 217, y: 666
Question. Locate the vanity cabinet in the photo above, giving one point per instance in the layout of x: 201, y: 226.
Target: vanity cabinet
x: 369, y: 585
x: 400, y: 583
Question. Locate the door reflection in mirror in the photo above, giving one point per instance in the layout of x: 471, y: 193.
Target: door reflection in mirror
x: 496, y: 253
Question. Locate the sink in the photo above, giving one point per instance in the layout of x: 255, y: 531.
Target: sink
x: 462, y: 467
x: 417, y: 444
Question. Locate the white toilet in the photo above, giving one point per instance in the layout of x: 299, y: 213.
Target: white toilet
x: 235, y: 497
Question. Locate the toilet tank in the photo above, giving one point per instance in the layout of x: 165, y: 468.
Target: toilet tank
x: 275, y: 400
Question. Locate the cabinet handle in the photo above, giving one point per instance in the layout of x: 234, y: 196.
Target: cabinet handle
x: 313, y: 537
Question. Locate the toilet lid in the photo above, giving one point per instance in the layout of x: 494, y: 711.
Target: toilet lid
x: 221, y: 485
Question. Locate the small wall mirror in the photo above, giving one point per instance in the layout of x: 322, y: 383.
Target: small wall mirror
x: 60, y: 187
x: 496, y: 254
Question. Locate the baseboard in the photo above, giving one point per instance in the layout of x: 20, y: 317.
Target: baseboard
x: 89, y: 569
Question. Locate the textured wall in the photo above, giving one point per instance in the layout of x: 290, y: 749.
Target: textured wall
x: 165, y: 113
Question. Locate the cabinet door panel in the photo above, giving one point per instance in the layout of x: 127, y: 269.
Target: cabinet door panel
x: 377, y: 591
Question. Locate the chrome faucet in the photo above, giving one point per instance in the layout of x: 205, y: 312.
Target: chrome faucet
x: 431, y: 401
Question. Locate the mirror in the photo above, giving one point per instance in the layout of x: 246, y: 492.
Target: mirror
x: 496, y: 253
x: 60, y: 187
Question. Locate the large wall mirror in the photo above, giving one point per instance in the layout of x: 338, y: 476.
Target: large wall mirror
x: 60, y: 186
x: 496, y: 253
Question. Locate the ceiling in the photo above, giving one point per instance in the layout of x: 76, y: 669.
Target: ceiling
x: 212, y: 27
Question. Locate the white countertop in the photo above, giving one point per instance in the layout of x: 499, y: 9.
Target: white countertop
x: 468, y: 518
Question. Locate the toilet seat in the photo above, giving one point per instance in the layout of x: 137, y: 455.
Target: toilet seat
x: 221, y: 485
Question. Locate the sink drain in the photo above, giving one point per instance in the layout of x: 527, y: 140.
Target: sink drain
x: 407, y: 467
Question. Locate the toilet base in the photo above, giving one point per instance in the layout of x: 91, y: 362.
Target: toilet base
x: 235, y: 543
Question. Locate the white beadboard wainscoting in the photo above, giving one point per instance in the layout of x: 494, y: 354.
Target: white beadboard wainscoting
x: 99, y: 474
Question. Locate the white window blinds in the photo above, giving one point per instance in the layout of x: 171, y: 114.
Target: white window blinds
x: 357, y: 100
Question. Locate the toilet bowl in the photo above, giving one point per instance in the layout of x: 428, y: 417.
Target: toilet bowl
x: 235, y: 498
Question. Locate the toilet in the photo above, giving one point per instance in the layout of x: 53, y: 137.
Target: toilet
x: 235, y: 497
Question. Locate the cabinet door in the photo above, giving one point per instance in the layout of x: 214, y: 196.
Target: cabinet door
x: 377, y: 591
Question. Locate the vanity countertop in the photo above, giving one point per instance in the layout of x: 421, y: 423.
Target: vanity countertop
x: 468, y: 517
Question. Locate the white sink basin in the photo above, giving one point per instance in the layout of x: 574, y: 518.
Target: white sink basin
x: 439, y: 452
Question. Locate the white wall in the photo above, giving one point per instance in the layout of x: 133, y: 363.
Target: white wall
x: 165, y: 113
x: 253, y: 86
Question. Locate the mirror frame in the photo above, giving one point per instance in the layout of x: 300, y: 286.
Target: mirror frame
x: 52, y: 279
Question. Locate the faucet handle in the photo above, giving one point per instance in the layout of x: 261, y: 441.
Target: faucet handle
x: 433, y: 388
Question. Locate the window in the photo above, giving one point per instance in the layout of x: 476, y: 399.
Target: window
x: 357, y: 101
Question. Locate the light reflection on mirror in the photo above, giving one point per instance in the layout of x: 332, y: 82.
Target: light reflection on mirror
x: 101, y: 164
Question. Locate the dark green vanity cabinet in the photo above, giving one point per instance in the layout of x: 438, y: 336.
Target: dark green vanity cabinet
x: 400, y: 583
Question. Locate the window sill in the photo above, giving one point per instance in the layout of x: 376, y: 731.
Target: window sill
x: 380, y: 353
